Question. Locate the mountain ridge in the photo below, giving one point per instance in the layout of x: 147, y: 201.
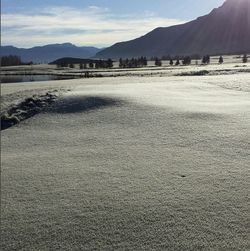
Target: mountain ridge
x: 225, y: 30
x: 49, y: 52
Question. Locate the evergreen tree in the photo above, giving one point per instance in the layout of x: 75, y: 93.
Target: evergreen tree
x: 244, y: 59
x: 71, y: 65
x: 97, y: 64
x: 81, y: 66
x: 91, y: 65
x: 109, y: 63
x: 121, y: 65
x: 126, y: 64
x: 132, y: 63
x: 186, y: 60
x: 206, y: 59
x: 158, y: 62
x: 221, y: 60
x: 135, y: 62
x: 102, y: 64
x: 171, y: 62
x: 177, y: 62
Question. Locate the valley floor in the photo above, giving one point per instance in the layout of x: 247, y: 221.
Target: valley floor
x: 129, y: 163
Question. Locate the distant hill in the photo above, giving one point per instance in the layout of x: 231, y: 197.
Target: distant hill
x: 69, y: 60
x: 48, y: 53
x: 226, y: 30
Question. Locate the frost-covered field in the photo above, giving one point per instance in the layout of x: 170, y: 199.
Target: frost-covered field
x: 231, y: 65
x: 130, y: 163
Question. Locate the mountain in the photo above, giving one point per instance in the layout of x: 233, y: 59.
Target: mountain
x: 226, y: 30
x: 48, y: 53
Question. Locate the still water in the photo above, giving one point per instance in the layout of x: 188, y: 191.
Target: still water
x: 31, y: 78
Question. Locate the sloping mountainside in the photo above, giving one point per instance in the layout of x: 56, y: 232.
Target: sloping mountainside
x: 48, y: 53
x: 225, y: 30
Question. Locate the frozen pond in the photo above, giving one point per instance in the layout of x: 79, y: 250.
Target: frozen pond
x: 31, y: 78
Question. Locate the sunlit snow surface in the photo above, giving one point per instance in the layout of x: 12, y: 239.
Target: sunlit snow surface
x: 130, y: 163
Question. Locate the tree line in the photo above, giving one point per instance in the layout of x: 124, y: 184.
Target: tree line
x: 133, y: 62
x: 187, y: 60
x: 143, y: 61
x: 97, y: 64
x: 12, y: 60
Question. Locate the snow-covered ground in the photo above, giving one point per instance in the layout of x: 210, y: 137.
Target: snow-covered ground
x: 130, y: 163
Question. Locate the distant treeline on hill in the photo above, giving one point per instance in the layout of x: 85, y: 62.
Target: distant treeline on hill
x: 12, y: 60
x: 70, y: 62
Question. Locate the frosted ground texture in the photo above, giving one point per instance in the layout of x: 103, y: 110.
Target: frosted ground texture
x: 130, y: 163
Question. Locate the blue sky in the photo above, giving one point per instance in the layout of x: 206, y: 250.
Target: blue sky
x: 100, y: 23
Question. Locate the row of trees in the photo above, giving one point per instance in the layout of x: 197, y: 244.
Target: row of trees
x: 142, y: 61
x: 104, y: 64
x: 133, y: 62
x: 92, y: 64
x: 13, y: 60
x: 127, y: 63
x: 169, y: 57
x: 10, y: 60
x: 187, y: 60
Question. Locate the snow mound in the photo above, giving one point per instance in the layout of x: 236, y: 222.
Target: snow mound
x: 26, y: 109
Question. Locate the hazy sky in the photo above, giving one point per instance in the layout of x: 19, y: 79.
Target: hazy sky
x: 100, y: 23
